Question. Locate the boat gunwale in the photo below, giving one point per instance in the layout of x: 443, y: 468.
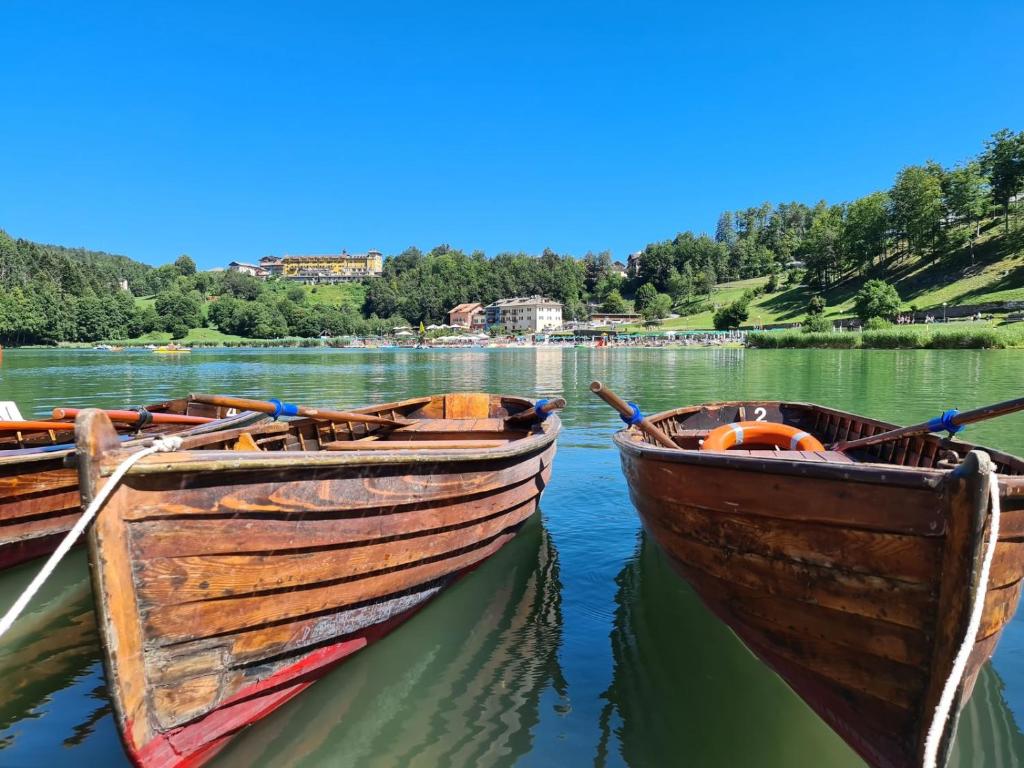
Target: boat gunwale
x: 240, y: 461
x: 224, y: 460
x: 858, y: 471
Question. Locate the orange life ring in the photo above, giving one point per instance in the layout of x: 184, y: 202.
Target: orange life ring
x: 754, y: 433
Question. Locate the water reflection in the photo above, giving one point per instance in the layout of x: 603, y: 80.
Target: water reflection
x: 683, y: 684
x: 459, y: 684
x: 988, y: 734
x: 53, y: 690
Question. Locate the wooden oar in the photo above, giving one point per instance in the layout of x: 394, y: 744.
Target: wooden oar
x: 290, y: 409
x: 626, y: 411
x: 36, y: 426
x: 134, y: 417
x: 935, y: 425
x: 549, y: 406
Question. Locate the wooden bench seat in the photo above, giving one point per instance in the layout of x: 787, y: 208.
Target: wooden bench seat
x: 832, y: 457
x: 412, y: 445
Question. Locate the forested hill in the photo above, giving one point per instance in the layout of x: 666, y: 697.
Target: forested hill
x: 72, y: 270
x: 934, y: 228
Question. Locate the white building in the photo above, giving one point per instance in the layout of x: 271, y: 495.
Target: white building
x: 529, y: 314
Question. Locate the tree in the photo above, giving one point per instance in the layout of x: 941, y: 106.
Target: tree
x: 596, y: 266
x: 240, y: 285
x: 816, y: 306
x: 965, y: 198
x: 731, y: 315
x: 680, y: 284
x: 175, y: 307
x: 658, y: 307
x: 1003, y: 163
x: 876, y: 298
x: 645, y: 294
x: 916, y: 207
x: 725, y: 232
x: 866, y: 229
x: 614, y: 303
x: 816, y: 324
x: 823, y: 249
x: 185, y: 266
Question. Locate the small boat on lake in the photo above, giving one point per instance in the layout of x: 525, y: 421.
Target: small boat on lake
x: 172, y: 349
x: 39, y: 500
x: 856, y: 574
x: 227, y: 580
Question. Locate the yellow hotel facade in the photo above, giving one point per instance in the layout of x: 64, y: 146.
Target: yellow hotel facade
x: 333, y: 268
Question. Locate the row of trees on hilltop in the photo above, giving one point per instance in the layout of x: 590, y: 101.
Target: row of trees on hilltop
x: 929, y: 211
x: 425, y: 286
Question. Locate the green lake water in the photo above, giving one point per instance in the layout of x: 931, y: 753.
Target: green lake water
x: 574, y: 645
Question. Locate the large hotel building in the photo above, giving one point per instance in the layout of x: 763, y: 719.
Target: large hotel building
x: 332, y: 268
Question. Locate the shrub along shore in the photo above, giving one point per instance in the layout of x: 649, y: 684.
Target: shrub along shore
x: 907, y: 337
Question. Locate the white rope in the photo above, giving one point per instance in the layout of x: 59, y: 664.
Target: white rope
x: 931, y: 745
x: 160, y: 445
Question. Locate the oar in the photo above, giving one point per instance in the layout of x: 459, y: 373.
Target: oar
x: 631, y: 414
x: 277, y: 408
x: 951, y: 421
x: 33, y: 426
x: 134, y: 417
x: 539, y: 411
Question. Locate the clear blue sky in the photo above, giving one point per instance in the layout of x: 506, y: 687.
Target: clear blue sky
x: 234, y: 130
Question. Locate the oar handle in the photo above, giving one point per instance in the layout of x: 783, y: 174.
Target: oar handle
x: 546, y: 406
x: 924, y: 428
x: 626, y: 411
x: 36, y: 426
x: 290, y: 409
x: 134, y: 417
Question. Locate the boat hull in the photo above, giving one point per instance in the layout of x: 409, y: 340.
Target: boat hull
x: 226, y: 583
x: 853, y: 582
x: 39, y: 497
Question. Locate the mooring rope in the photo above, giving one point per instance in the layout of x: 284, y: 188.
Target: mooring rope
x: 163, y: 444
x: 931, y: 745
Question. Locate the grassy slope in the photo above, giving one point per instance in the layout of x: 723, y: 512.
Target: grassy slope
x: 335, y: 295
x: 997, y: 274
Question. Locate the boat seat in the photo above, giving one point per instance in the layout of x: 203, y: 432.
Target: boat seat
x: 412, y: 445
x: 454, y: 425
x: 831, y: 457
x: 9, y: 411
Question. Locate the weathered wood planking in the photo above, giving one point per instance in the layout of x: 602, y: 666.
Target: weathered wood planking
x: 854, y: 580
x: 39, y: 499
x: 227, y: 580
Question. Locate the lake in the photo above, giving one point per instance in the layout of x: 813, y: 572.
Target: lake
x: 575, y: 644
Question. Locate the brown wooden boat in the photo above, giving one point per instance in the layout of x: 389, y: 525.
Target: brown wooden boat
x: 852, y: 575
x: 226, y: 581
x: 39, y: 499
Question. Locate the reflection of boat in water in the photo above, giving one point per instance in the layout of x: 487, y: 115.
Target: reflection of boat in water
x: 52, y: 648
x: 683, y: 684
x: 172, y: 349
x: 987, y: 734
x: 460, y: 685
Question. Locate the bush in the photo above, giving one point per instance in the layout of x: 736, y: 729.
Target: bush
x: 816, y: 306
x: 893, y: 338
x: 877, y: 324
x: 876, y: 299
x: 731, y: 315
x: 797, y: 340
x: 816, y: 324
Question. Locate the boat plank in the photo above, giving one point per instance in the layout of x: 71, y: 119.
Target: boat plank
x: 909, y: 558
x: 170, y: 581
x: 804, y: 499
x: 170, y: 624
x: 237, y: 535
x: 898, y: 602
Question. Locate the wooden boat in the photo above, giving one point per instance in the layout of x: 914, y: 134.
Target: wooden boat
x: 39, y: 499
x: 852, y: 575
x: 227, y: 581
x: 483, y: 658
